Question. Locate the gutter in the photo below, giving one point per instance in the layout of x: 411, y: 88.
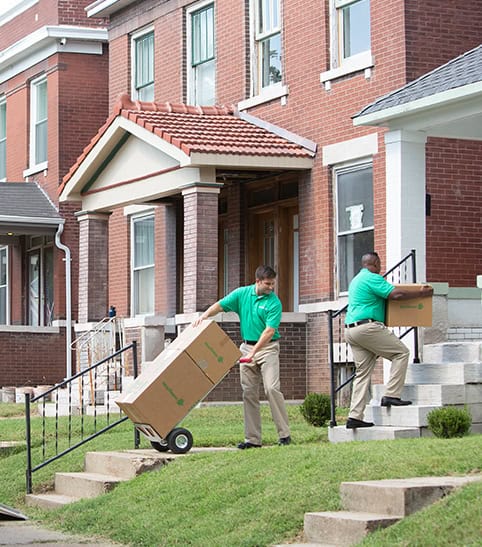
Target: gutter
x: 68, y: 298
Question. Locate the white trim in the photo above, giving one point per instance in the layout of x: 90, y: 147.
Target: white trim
x: 130, y: 210
x: 33, y: 142
x: 16, y: 10
x: 29, y: 328
x: 7, y: 286
x: 31, y: 220
x: 270, y: 93
x: 357, y: 63
x: 145, y: 321
x: 36, y: 169
x: 445, y: 98
x: 103, y: 8
x: 359, y: 147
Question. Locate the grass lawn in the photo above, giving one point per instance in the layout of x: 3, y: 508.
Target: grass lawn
x: 255, y: 497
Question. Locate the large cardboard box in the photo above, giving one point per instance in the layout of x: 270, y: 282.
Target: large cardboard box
x: 414, y: 312
x: 209, y: 347
x: 164, y: 393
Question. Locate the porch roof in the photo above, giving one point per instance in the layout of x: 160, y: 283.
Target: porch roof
x: 26, y: 209
x: 446, y: 102
x: 186, y: 137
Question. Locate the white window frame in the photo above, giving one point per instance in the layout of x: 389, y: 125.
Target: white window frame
x: 338, y: 170
x: 7, y: 287
x: 134, y: 303
x: 135, y: 37
x: 339, y: 64
x: 278, y: 90
x: 35, y: 165
x: 191, y: 79
x: 3, y: 140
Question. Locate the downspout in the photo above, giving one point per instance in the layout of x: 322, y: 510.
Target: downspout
x: 68, y: 299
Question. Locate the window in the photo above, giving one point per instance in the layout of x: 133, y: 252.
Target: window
x: 353, y: 27
x: 3, y: 285
x: 354, y: 190
x: 38, y: 122
x: 268, y: 42
x: 202, y: 64
x: 40, y: 278
x: 3, y: 139
x: 143, y: 66
x: 142, y: 237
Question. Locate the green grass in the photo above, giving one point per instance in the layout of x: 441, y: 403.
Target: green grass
x: 256, y: 497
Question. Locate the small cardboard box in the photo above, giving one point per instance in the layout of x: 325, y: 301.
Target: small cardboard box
x: 209, y: 347
x: 181, y: 376
x: 414, y: 312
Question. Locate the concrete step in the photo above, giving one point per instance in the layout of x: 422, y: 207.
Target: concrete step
x: 435, y: 394
x: 126, y: 465
x: 50, y: 500
x: 447, y: 352
x: 398, y: 496
x: 85, y: 485
x: 401, y: 416
x: 444, y: 373
x: 340, y: 434
x: 344, y: 527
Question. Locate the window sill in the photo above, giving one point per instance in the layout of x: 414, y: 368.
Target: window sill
x: 363, y: 61
x: 268, y: 94
x: 36, y: 169
x: 30, y: 329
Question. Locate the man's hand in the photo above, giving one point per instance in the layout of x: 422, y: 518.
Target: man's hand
x: 212, y: 310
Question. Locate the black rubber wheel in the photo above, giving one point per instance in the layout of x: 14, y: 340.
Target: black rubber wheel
x: 179, y: 440
x: 160, y: 447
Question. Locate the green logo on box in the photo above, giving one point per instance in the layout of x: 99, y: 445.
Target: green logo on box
x: 179, y: 402
x: 409, y: 307
x: 219, y: 358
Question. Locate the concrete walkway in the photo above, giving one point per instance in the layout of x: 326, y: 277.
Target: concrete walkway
x: 26, y: 533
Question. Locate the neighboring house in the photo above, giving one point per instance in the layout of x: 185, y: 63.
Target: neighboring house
x: 178, y: 204
x: 53, y: 97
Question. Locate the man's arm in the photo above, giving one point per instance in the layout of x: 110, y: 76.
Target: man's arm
x: 405, y: 293
x: 212, y: 310
x: 264, y: 339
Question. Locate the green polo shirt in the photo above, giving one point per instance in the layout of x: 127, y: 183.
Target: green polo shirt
x: 367, y: 295
x: 255, y: 312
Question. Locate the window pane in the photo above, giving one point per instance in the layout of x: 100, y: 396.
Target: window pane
x: 144, y: 69
x: 351, y: 248
x: 355, y: 200
x: 269, y: 16
x: 3, y: 286
x: 144, y: 242
x: 356, y: 28
x: 205, y: 83
x: 48, y: 268
x: 144, y: 291
x: 41, y: 142
x: 3, y: 120
x: 271, y: 60
x: 34, y: 289
x: 143, y: 259
x: 202, y: 35
x: 41, y: 101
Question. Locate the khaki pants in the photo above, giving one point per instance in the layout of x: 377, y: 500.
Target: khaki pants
x: 369, y: 341
x: 265, y: 367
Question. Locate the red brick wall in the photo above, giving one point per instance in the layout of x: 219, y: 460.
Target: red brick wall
x: 32, y: 358
x: 455, y: 222
x: 119, y: 263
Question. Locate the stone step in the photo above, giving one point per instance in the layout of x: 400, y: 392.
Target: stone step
x: 126, y: 465
x: 340, y: 434
x: 344, y: 527
x: 398, y: 496
x: 85, y: 485
x: 444, y: 373
x: 401, y: 416
x: 435, y: 394
x: 446, y: 352
x: 50, y: 500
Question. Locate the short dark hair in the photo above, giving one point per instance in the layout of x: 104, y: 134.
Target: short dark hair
x: 265, y: 272
x: 370, y: 254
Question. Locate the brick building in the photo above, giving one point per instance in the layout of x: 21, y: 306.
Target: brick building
x: 300, y: 164
x: 53, y: 97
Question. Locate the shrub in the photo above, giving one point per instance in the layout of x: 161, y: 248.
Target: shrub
x: 316, y: 409
x: 449, y: 421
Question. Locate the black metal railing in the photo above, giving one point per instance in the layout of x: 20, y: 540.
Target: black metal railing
x: 80, y: 411
x: 342, y: 368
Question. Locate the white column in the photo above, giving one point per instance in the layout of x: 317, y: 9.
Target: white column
x: 405, y: 186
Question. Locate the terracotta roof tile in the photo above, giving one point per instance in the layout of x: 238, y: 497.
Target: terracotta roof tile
x: 198, y: 129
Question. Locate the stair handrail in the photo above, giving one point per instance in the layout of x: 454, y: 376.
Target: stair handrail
x: 43, y: 397
x: 333, y: 314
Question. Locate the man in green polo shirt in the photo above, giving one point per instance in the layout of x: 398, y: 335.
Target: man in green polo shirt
x: 259, y: 311
x: 369, y: 338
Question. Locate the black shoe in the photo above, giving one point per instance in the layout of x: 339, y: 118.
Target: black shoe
x: 394, y: 401
x: 284, y: 441
x: 246, y: 444
x: 353, y: 423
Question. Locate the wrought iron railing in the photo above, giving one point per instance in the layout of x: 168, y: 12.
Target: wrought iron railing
x: 339, y: 354
x: 77, y: 414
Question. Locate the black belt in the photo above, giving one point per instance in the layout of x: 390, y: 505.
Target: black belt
x: 361, y: 322
x: 250, y: 342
